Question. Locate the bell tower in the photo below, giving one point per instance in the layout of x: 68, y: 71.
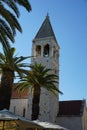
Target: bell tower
x: 45, y: 50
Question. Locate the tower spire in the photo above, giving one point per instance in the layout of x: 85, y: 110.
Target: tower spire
x: 47, y: 16
x: 46, y: 29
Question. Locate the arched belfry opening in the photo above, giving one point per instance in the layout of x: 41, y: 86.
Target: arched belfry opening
x: 38, y: 50
x: 46, y: 50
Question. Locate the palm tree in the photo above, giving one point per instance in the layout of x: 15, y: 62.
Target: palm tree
x: 9, y: 64
x: 38, y: 77
x: 9, y: 21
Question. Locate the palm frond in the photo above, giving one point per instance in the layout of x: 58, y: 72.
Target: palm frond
x: 4, y: 41
x: 5, y: 30
x: 40, y: 76
x: 10, y: 18
x: 25, y: 4
x: 13, y: 6
x: 21, y: 58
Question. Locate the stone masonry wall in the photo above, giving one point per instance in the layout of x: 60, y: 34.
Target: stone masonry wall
x: 72, y: 123
x: 18, y: 106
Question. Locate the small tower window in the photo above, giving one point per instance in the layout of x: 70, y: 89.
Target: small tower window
x: 38, y: 50
x: 46, y: 50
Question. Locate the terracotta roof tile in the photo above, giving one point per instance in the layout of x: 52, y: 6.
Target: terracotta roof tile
x: 17, y: 95
x: 68, y: 108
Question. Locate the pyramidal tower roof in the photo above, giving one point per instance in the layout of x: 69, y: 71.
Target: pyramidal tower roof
x: 45, y: 29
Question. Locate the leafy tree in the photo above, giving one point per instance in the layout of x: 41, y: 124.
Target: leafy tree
x: 39, y: 76
x: 10, y: 13
x: 9, y: 64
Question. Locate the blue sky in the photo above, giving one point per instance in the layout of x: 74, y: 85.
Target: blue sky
x: 69, y: 22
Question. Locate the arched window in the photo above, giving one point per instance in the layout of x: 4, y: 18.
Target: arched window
x: 46, y: 50
x: 38, y: 50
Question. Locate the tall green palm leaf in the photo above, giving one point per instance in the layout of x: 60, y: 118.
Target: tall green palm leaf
x: 9, y: 64
x: 5, y: 33
x: 39, y: 76
x: 10, y: 20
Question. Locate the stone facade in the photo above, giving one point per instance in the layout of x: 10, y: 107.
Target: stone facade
x: 71, y: 122
x: 75, y: 118
x: 19, y: 102
x: 45, y: 50
x: 19, y: 106
x: 84, y: 118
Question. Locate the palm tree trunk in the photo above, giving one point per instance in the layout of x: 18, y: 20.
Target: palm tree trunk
x: 35, y: 103
x: 6, y: 88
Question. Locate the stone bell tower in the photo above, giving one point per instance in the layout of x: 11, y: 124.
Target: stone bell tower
x: 45, y: 50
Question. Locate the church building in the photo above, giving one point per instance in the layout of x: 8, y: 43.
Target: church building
x: 70, y: 114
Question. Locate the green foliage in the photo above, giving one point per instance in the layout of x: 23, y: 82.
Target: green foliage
x: 40, y: 76
x: 10, y: 13
x: 13, y: 63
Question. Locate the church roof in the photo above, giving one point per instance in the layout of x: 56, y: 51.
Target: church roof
x: 17, y: 95
x: 71, y: 108
x: 45, y: 29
